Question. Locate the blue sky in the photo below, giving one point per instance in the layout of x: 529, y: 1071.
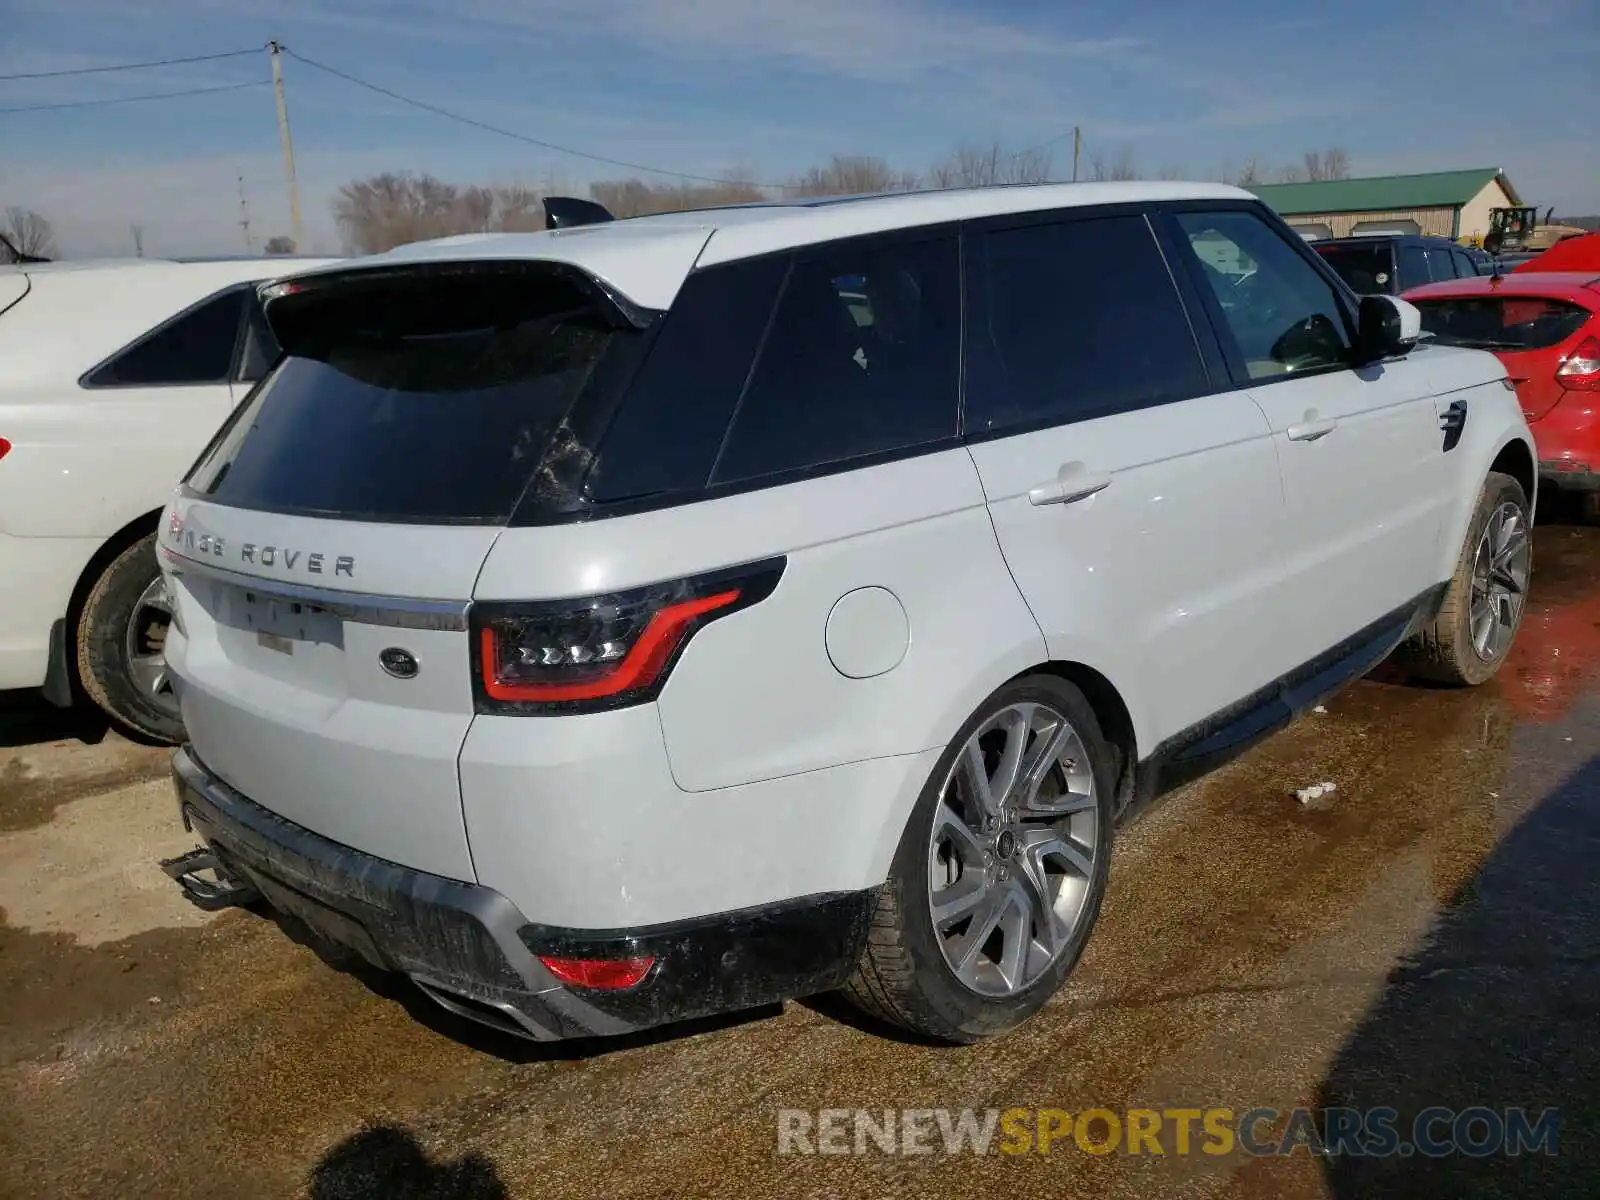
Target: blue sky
x: 705, y: 86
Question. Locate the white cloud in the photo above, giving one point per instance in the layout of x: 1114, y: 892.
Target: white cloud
x: 870, y: 39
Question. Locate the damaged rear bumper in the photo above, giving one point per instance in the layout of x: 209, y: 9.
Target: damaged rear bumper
x: 475, y: 953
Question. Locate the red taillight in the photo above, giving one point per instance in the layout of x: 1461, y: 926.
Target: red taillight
x: 602, y: 651
x: 612, y: 974
x: 630, y: 667
x: 1581, y: 370
x: 5, y: 447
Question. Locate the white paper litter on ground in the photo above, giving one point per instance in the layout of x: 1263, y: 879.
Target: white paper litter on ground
x: 1315, y: 792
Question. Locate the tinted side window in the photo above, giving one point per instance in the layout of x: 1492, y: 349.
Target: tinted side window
x: 1075, y: 321
x: 1441, y: 263
x: 1413, y: 266
x: 1465, y: 267
x: 260, y: 349
x: 671, y: 425
x: 1283, y: 315
x: 862, y: 357
x: 196, y: 347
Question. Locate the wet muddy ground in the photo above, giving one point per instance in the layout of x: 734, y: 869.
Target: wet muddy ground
x: 1426, y: 934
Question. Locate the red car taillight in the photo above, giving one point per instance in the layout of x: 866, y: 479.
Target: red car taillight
x: 609, y: 974
x: 600, y: 652
x: 1582, y: 368
x: 5, y: 447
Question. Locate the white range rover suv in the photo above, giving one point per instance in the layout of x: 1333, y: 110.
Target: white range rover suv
x: 113, y: 376
x: 648, y: 619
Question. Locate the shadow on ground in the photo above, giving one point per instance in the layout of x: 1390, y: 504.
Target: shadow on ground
x: 1500, y: 1009
x: 28, y: 719
x: 386, y: 1161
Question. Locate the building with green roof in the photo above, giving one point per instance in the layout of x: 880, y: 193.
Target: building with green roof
x: 1453, y: 204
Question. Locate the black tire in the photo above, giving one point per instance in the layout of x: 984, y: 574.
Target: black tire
x: 1443, y: 652
x: 902, y: 976
x: 104, y: 667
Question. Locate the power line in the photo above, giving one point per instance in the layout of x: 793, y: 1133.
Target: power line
x: 205, y: 91
x: 520, y: 137
x: 138, y: 66
x: 382, y: 91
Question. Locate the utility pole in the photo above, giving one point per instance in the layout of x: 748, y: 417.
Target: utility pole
x: 244, y: 216
x: 138, y: 240
x: 1077, y: 149
x: 274, y: 49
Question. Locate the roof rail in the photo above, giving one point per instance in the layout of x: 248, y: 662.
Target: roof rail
x: 568, y: 212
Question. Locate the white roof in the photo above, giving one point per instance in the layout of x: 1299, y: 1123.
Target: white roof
x: 648, y: 258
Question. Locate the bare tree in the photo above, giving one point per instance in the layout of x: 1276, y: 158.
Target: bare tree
x: 391, y: 209
x: 29, y: 232
x: 634, y: 197
x: 1117, y: 169
x: 388, y: 210
x: 986, y: 166
x: 519, y: 207
x: 474, y: 210
x: 1293, y: 173
x: 851, y: 175
x: 280, y: 244
x: 1250, y: 174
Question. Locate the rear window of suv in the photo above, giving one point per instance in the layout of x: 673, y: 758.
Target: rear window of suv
x: 1501, y: 322
x: 432, y: 401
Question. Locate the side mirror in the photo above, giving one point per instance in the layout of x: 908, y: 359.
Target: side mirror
x: 1386, y: 326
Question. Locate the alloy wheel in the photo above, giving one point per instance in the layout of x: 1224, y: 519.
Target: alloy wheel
x: 1012, y: 852
x: 146, y: 642
x: 1500, y: 570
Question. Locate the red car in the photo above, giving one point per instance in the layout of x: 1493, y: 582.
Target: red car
x: 1545, y: 328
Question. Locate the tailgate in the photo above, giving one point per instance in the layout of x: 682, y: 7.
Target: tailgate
x: 324, y: 549
x: 284, y: 685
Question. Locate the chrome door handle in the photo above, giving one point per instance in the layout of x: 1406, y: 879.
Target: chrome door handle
x: 1073, y: 482
x: 1312, y: 428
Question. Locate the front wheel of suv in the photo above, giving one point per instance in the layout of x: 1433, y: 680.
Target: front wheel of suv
x: 122, y: 633
x: 999, y: 875
x: 1484, y: 601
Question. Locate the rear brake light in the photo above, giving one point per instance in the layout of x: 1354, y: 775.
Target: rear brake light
x: 1582, y: 368
x: 611, y: 974
x: 5, y: 447
x: 600, y: 652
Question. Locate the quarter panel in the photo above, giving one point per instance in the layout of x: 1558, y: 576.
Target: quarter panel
x: 37, y: 576
x: 86, y: 462
x: 755, y: 695
x: 578, y: 822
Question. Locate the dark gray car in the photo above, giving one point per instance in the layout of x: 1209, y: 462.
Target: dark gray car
x: 1390, y: 264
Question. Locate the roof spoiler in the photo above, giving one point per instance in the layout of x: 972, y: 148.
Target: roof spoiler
x: 568, y: 212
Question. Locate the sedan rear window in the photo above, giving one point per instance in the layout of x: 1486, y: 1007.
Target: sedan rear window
x: 431, y: 401
x: 1369, y: 270
x: 1501, y: 322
